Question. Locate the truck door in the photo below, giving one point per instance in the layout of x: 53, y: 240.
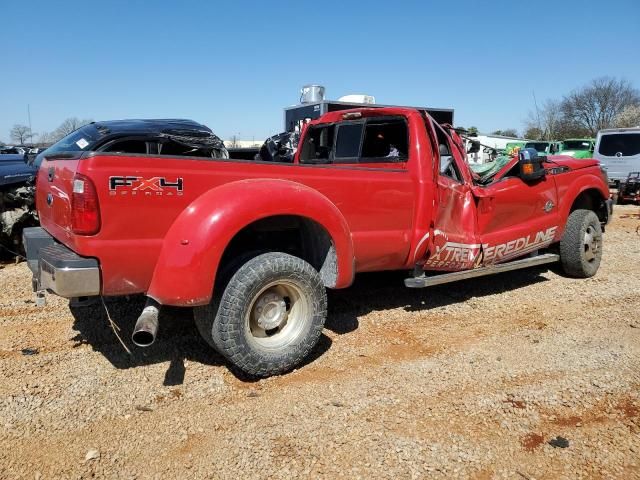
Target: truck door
x: 516, y: 218
x: 454, y: 244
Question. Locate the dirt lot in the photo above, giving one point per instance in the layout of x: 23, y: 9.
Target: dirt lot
x: 469, y: 380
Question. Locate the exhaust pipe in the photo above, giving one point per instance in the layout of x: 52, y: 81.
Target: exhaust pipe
x: 144, y: 333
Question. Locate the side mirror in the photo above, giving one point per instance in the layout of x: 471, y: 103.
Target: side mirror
x: 475, y: 146
x: 531, y: 168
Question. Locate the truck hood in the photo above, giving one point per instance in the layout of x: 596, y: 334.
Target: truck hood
x: 14, y: 170
x: 572, y: 163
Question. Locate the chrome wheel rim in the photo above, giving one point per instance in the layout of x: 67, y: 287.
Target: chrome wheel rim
x: 278, y: 314
x: 592, y: 243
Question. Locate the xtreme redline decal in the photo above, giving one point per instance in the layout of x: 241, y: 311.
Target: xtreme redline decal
x: 453, y: 256
x: 463, y: 256
x: 518, y: 247
x: 159, y: 186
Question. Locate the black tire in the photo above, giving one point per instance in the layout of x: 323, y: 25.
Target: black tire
x: 203, y: 316
x: 581, y: 244
x: 289, y: 292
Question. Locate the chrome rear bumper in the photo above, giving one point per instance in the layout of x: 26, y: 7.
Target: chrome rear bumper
x: 58, y: 269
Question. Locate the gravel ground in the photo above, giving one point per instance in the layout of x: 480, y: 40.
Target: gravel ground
x: 467, y: 380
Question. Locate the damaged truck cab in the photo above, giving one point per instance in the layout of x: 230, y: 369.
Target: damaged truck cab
x: 252, y: 245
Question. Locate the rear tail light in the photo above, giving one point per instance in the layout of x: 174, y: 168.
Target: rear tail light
x: 85, y: 209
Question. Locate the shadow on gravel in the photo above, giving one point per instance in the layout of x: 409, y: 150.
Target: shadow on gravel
x: 385, y: 290
x: 178, y: 339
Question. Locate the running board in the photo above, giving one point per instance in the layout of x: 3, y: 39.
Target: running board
x: 424, y: 281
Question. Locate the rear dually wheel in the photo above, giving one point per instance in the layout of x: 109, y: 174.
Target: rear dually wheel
x: 269, y: 316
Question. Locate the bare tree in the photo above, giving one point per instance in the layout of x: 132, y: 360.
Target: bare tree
x: 45, y: 138
x: 596, y: 105
x: 20, y: 134
x: 68, y: 126
x: 629, y: 117
x: 546, y: 121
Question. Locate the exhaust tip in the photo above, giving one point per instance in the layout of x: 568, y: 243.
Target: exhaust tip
x: 142, y: 338
x: 144, y: 333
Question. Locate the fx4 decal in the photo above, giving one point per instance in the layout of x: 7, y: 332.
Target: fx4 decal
x: 159, y: 186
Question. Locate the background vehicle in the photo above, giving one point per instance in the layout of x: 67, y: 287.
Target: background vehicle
x: 512, y: 146
x: 17, y: 204
x: 252, y: 245
x: 629, y: 190
x: 491, y: 146
x: 544, y: 148
x: 578, y: 147
x: 10, y: 150
x: 145, y: 137
x: 618, y: 150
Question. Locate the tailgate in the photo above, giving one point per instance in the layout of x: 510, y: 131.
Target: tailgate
x: 54, y: 189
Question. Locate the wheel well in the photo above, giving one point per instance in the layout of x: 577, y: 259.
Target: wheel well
x: 591, y: 199
x: 295, y: 235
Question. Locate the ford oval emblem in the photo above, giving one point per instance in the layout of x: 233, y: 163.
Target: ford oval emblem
x: 49, y: 199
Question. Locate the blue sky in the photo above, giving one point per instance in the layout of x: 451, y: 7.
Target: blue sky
x: 235, y: 65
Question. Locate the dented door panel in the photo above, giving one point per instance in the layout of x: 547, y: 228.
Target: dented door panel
x: 454, y: 245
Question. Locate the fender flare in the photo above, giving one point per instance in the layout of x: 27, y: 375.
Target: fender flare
x: 193, y: 246
x: 585, y: 182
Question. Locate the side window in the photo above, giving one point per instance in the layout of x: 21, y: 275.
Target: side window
x: 127, y: 146
x: 448, y: 167
x: 317, y: 145
x: 385, y: 140
x: 348, y: 141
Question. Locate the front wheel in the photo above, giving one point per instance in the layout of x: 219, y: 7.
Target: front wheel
x: 269, y: 317
x: 581, y: 244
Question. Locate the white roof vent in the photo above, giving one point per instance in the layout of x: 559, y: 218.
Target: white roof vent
x: 366, y: 99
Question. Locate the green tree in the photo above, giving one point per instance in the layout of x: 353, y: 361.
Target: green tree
x: 533, y: 133
x: 509, y: 132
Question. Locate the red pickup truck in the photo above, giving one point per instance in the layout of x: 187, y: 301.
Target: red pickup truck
x: 252, y: 245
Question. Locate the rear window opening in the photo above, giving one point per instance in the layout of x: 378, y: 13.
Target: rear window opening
x: 623, y: 144
x: 385, y: 139
x: 378, y: 140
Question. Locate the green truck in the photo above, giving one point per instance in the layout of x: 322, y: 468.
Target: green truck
x: 578, y: 147
x: 544, y: 148
x: 511, y: 146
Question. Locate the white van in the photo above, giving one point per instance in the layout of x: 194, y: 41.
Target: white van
x: 618, y: 149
